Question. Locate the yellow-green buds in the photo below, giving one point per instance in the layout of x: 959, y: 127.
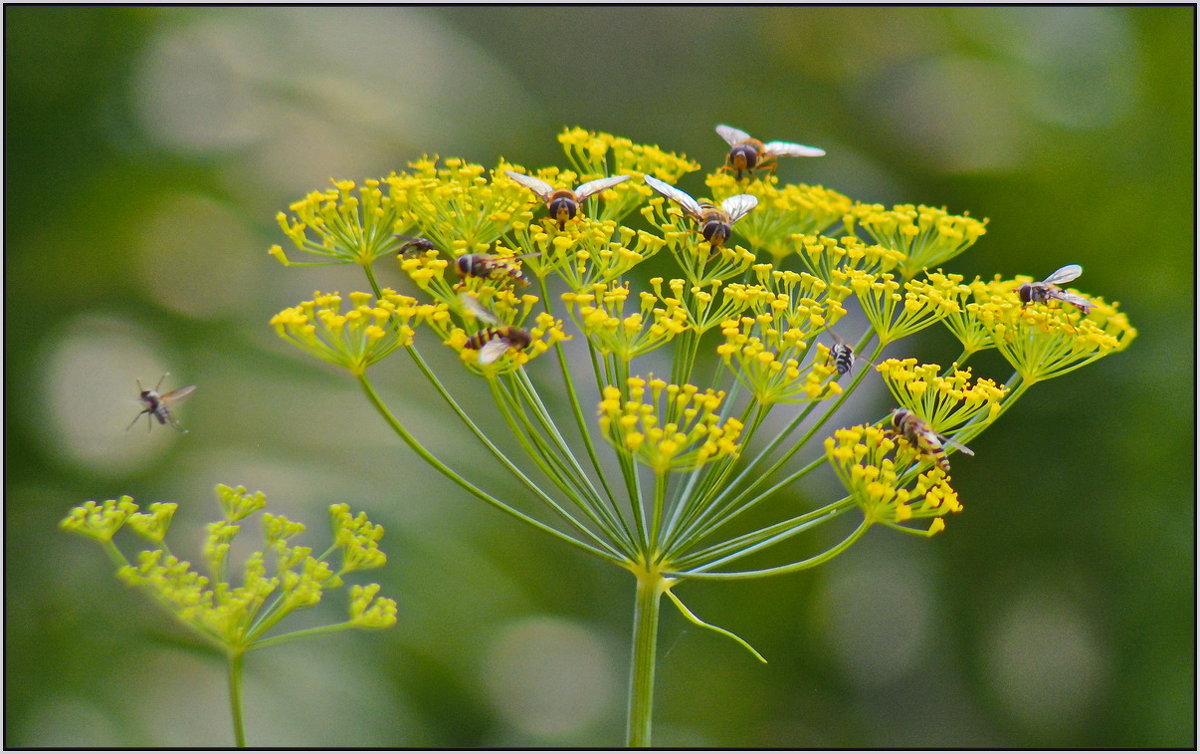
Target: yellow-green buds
x: 677, y: 428
x: 233, y: 616
x: 865, y: 459
x: 99, y: 520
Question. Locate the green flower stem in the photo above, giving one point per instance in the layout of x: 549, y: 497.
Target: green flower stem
x: 475, y: 430
x: 550, y: 465
x: 367, y: 268
x: 235, y: 697
x: 739, y: 544
x: 660, y: 495
x: 292, y: 635
x: 816, y: 560
x: 453, y: 476
x: 584, y: 431
x: 650, y: 588
x: 534, y: 447
x: 547, y: 421
x: 114, y: 553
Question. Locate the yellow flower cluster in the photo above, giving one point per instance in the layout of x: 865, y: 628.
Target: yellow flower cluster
x: 859, y: 456
x: 765, y: 354
x: 456, y: 206
x: 923, y: 302
x: 586, y: 253
x: 1046, y: 341
x: 357, y: 538
x: 594, y: 154
x: 965, y: 323
x: 673, y: 427
x: 782, y: 211
x: 945, y: 403
x: 927, y: 236
x: 346, y: 225
x: 355, y: 339
x: 600, y: 314
x: 831, y: 258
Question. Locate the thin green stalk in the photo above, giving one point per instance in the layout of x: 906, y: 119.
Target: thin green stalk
x: 235, y: 697
x: 816, y: 560
x: 455, y: 477
x: 474, y: 428
x: 548, y: 464
x: 573, y: 398
x: 739, y: 544
x: 650, y: 588
x: 303, y: 633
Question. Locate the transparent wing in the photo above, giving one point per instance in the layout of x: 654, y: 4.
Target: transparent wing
x: 595, y: 187
x: 739, y: 205
x: 836, y: 338
x: 473, y: 305
x: 1074, y: 300
x: 788, y: 149
x: 733, y: 135
x: 683, y: 199
x: 177, y: 395
x: 536, y: 185
x: 947, y: 442
x: 1064, y: 274
x: 492, y: 350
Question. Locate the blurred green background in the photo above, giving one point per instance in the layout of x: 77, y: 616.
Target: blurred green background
x: 147, y: 153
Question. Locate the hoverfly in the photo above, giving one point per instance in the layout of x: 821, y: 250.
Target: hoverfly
x: 922, y: 437
x: 843, y: 355
x: 156, y: 405
x: 564, y: 203
x: 413, y: 244
x: 492, y: 342
x: 714, y: 221
x: 492, y: 267
x: 1043, y: 292
x: 747, y: 154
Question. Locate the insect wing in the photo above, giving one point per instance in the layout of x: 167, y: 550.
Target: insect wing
x: 948, y: 443
x: 594, y: 187
x: 177, y: 395
x: 481, y: 313
x: 1064, y: 274
x: 536, y: 185
x: 788, y: 149
x: 1082, y: 303
x: 683, y: 199
x: 739, y: 206
x: 733, y: 136
x: 492, y: 350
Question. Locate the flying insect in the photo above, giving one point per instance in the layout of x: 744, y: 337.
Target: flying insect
x: 747, y: 154
x: 156, y: 404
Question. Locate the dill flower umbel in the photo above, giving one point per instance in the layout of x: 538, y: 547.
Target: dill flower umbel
x: 738, y: 298
x: 944, y: 402
x: 864, y: 458
x: 347, y: 224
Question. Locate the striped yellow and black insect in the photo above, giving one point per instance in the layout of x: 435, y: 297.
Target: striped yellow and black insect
x: 843, y: 355
x: 155, y: 405
x: 1047, y: 290
x: 564, y: 204
x: 492, y: 267
x: 924, y: 439
x: 747, y: 154
x: 715, y: 222
x: 492, y: 342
